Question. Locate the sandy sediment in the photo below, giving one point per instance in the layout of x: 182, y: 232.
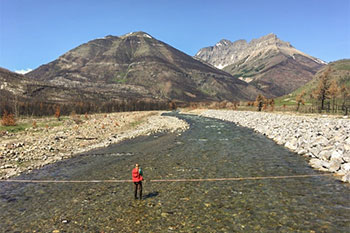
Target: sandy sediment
x: 37, y: 146
x: 325, y: 140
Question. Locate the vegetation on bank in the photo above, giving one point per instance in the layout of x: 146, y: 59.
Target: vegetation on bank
x: 42, y: 108
x: 16, y: 116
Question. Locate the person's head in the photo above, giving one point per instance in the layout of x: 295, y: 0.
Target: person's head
x: 137, y: 165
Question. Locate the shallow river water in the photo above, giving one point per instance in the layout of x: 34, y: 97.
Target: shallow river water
x: 209, y: 149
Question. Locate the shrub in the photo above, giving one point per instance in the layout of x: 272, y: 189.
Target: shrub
x: 8, y: 119
x: 58, y: 112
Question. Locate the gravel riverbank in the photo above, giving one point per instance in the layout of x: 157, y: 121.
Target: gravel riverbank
x: 37, y: 146
x: 325, y: 140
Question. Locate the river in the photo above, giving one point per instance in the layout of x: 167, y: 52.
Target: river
x: 209, y: 149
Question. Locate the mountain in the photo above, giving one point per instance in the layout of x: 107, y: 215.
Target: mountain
x: 267, y: 63
x: 144, y: 66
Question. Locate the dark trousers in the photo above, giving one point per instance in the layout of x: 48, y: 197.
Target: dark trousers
x: 138, y: 186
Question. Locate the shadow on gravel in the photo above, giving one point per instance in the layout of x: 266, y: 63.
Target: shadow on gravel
x: 150, y: 195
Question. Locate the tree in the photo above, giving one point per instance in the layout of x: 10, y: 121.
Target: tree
x: 272, y: 104
x: 58, y: 112
x: 345, y: 92
x: 299, y: 99
x: 15, y: 106
x: 8, y: 119
x: 172, y: 105
x: 259, y: 101
x: 333, y: 92
x: 322, y: 91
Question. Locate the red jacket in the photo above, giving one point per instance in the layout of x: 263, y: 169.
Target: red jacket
x: 136, y: 177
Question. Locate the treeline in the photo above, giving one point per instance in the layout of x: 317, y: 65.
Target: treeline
x: 211, y: 105
x: 329, y: 96
x: 39, y: 108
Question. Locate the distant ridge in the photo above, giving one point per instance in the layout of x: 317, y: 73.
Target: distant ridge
x: 267, y: 63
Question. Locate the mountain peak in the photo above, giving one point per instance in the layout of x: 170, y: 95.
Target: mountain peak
x: 223, y: 42
x: 137, y: 34
x: 270, y: 36
x: 269, y: 39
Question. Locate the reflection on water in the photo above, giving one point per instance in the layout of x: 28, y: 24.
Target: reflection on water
x: 210, y: 149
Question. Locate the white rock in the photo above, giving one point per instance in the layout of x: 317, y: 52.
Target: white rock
x: 292, y: 144
x: 334, y: 164
x: 346, y: 177
x: 325, y: 155
x: 319, y: 164
x: 345, y: 167
x: 336, y: 155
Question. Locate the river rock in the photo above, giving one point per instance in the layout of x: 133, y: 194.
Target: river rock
x: 292, y: 144
x: 325, y: 155
x: 344, y: 168
x: 320, y: 140
x: 319, y: 164
x: 336, y: 155
x: 334, y: 164
x: 346, y: 157
x: 346, y: 177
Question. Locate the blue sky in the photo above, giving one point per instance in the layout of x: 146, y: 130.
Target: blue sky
x: 35, y: 32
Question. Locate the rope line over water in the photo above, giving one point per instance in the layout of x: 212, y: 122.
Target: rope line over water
x: 167, y: 180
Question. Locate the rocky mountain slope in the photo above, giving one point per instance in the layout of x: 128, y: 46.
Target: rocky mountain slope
x: 12, y: 84
x: 267, y: 63
x: 139, y: 63
x: 17, y: 86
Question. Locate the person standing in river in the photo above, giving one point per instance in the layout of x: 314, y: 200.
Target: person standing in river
x: 137, y: 179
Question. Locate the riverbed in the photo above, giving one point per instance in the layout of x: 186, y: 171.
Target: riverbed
x: 211, y: 148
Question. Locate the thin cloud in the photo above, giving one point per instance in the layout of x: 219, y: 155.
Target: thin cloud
x: 23, y: 71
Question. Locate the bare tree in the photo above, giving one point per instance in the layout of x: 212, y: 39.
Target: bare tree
x: 345, y: 92
x: 333, y: 93
x: 300, y: 100
x: 322, y: 91
x: 259, y: 101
